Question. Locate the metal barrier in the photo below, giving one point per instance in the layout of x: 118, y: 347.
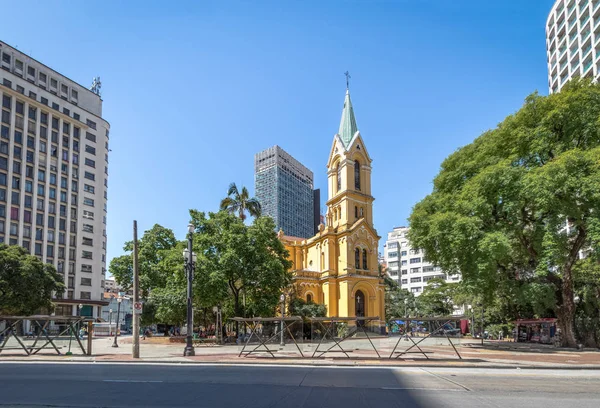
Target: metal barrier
x: 44, y: 334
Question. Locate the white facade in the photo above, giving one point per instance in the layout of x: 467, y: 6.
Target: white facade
x: 572, y: 41
x: 54, y: 176
x: 407, y: 265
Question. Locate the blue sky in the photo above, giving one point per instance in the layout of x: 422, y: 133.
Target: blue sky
x: 192, y: 92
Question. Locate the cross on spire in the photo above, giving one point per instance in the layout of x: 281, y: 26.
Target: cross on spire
x: 347, y: 79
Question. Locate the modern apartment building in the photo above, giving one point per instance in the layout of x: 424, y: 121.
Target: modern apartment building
x: 572, y: 41
x: 284, y: 188
x: 407, y: 265
x: 54, y: 176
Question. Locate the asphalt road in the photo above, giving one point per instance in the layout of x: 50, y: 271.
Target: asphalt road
x: 152, y: 385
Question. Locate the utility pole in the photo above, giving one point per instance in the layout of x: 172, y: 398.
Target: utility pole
x: 135, y: 352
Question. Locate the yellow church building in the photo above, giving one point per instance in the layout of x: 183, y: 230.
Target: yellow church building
x: 338, y: 267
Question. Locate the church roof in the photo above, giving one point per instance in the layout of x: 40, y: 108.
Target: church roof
x: 348, y: 126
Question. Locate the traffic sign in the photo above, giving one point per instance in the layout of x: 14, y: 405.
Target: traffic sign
x: 137, y: 307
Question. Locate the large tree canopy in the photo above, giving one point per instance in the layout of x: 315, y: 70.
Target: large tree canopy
x: 240, y: 261
x: 26, y: 283
x: 156, y: 260
x: 521, y: 201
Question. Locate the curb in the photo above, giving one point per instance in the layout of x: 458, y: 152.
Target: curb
x: 274, y: 362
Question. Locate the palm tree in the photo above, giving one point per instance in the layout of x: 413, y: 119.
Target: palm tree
x: 239, y: 203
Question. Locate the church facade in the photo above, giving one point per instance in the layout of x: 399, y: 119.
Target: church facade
x: 338, y: 267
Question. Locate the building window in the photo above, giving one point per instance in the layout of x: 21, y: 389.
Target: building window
x: 86, y: 281
x: 86, y: 268
x: 357, y: 175
x: 88, y: 201
x: 393, y: 254
x: 91, y: 124
x: 428, y: 269
x: 365, y: 264
x: 85, y: 295
x: 403, y: 253
x: 309, y: 298
x: 90, y: 136
x: 88, y: 189
x: 88, y: 242
x: 415, y: 270
x: 394, y: 273
x: 357, y: 258
x: 403, y: 262
x: 404, y: 271
x: 415, y: 260
x: 89, y: 176
x: 90, y: 162
x: 339, y: 177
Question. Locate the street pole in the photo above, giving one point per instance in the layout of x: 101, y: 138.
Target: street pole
x: 189, y: 259
x: 135, y: 349
x: 109, y: 321
x: 117, y: 321
x: 482, y: 324
x: 282, y: 299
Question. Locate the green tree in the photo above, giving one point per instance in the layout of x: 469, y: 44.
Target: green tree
x: 157, y: 260
x: 436, y: 299
x: 302, y: 308
x: 398, y: 302
x: 240, y: 261
x: 498, y: 208
x: 26, y: 283
x: 238, y: 202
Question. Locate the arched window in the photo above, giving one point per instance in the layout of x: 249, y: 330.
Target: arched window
x: 357, y: 258
x: 357, y: 175
x: 339, y: 177
x: 309, y: 298
x: 365, y: 265
x: 322, y: 261
x: 355, y: 211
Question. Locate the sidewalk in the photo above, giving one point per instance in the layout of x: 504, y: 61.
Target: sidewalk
x: 473, y: 355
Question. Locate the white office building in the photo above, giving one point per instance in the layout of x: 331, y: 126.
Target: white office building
x: 54, y: 176
x: 572, y: 41
x: 407, y: 265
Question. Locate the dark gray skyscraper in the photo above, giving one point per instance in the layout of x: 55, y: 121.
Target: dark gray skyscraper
x: 284, y: 188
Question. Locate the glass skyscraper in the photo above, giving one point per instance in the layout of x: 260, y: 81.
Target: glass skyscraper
x: 284, y: 188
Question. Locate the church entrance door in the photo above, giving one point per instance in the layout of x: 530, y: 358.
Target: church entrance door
x: 359, y: 306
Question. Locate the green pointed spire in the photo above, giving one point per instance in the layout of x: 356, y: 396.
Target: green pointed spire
x: 348, y: 123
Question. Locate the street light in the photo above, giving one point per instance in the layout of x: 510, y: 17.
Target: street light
x: 282, y: 300
x: 189, y: 259
x: 117, y: 321
x: 110, y: 320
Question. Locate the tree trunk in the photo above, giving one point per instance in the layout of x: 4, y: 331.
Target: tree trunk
x: 237, y: 308
x: 566, y: 310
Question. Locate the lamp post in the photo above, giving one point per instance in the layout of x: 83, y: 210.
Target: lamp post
x: 117, y: 321
x: 110, y: 320
x: 190, y: 264
x: 482, y: 310
x: 472, y: 320
x: 282, y: 300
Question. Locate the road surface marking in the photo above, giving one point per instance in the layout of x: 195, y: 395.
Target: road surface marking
x: 132, y: 381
